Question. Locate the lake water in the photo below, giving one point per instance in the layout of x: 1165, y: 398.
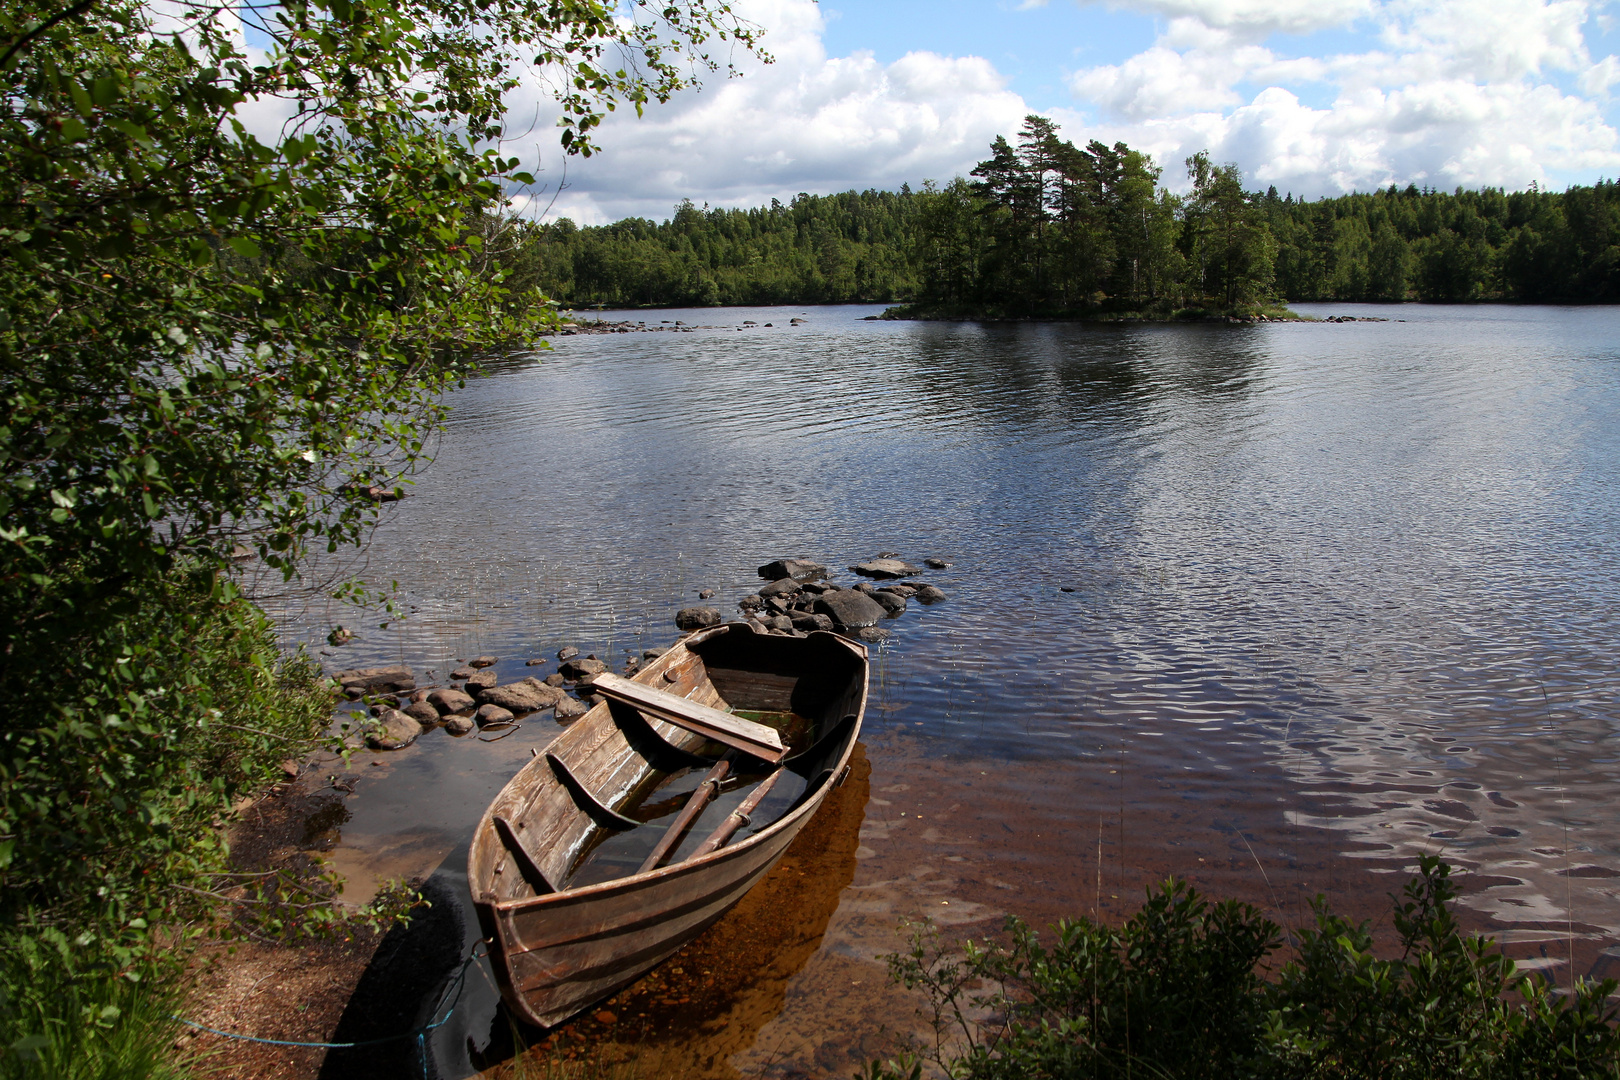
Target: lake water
x: 1276, y: 608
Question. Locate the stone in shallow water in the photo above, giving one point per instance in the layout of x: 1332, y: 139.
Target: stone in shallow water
x: 780, y: 587
x: 937, y: 564
x: 492, y: 714
x: 930, y: 594
x: 450, y: 701
x: 872, y: 634
x: 394, y: 731
x: 484, y: 661
x: 891, y: 603
x: 422, y: 712
x: 797, y: 569
x: 526, y: 696
x: 850, y: 609
x: 582, y: 668
x: 696, y: 618
x: 480, y: 681
x: 458, y: 725
x: 569, y: 709
x: 886, y: 568
x: 567, y: 652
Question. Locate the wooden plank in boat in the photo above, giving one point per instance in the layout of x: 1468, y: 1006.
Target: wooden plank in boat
x: 757, y: 739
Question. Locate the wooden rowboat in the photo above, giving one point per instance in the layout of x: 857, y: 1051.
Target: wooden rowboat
x: 583, y: 873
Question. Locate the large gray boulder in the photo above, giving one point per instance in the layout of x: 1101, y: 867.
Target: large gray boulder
x: 526, y: 696
x: 886, y: 568
x: 393, y: 731
x: 850, y: 609
x: 367, y: 680
x: 696, y: 618
x: 797, y: 569
x: 450, y: 701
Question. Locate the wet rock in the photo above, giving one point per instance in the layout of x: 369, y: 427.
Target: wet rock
x: 780, y: 587
x: 450, y: 701
x: 930, y: 594
x: 873, y: 634
x: 751, y: 602
x: 811, y: 622
x: 849, y: 608
x: 705, y: 594
x: 536, y: 662
x: 778, y: 605
x: 465, y: 671
x: 555, y: 679
x: 759, y: 626
x: 816, y: 588
x: 888, y: 554
x: 568, y: 708
x: 394, y: 731
x: 480, y: 681
x: 458, y: 725
x: 904, y: 592
x: 368, y: 680
x: 422, y: 712
x: 937, y: 563
x: 891, y: 603
x: 797, y: 569
x: 421, y: 695
x: 886, y: 568
x: 582, y: 668
x: 651, y: 654
x: 526, y: 696
x: 488, y: 715
x: 779, y: 622
x: 567, y: 652
x: 484, y: 661
x: 696, y: 618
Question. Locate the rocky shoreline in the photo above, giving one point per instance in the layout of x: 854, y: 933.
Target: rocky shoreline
x: 798, y: 597
x: 572, y: 328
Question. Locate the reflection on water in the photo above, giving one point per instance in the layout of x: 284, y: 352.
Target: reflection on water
x: 1351, y: 584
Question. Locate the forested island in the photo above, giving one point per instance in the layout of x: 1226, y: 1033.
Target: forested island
x: 1043, y: 227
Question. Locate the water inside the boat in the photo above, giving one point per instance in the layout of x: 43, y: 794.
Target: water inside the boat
x: 612, y: 855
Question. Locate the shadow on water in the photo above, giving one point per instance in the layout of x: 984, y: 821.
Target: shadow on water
x: 687, y: 1017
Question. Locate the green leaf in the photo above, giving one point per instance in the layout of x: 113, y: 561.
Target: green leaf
x: 244, y: 246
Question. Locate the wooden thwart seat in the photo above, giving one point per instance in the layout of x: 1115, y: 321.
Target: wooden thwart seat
x: 759, y: 740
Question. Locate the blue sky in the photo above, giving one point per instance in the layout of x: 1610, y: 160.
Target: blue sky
x: 1316, y: 97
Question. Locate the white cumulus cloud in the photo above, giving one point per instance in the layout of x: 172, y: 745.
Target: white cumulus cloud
x: 1459, y: 92
x: 807, y: 122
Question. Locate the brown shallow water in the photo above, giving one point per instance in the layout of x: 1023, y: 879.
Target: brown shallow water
x: 1274, y: 608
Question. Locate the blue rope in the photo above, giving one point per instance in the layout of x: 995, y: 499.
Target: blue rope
x: 419, y: 1034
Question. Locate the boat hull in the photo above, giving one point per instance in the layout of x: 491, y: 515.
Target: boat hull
x: 557, y: 954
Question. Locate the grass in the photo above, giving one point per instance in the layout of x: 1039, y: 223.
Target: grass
x: 70, y: 1011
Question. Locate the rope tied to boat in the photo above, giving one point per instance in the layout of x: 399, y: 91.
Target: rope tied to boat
x: 452, y: 991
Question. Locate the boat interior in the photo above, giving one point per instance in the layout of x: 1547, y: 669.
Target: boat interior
x: 629, y: 790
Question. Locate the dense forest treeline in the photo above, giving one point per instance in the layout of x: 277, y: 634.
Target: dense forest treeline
x: 1043, y: 225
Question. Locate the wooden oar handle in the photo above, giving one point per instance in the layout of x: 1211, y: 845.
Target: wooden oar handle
x: 701, y: 796
x: 738, y: 817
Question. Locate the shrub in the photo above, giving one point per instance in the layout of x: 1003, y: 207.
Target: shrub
x: 1178, y: 992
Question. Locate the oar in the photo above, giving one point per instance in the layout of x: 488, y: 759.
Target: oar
x: 701, y: 796
x: 737, y: 818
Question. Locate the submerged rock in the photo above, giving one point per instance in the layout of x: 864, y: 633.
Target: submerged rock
x: 886, y: 568
x: 873, y: 634
x: 569, y: 708
x: 377, y: 678
x: 480, y: 681
x: 465, y: 671
x: 458, y: 725
x: 797, y: 569
x: 929, y: 594
x: 937, y: 563
x: 484, y: 661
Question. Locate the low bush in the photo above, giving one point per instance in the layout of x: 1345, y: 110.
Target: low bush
x: 1179, y: 991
